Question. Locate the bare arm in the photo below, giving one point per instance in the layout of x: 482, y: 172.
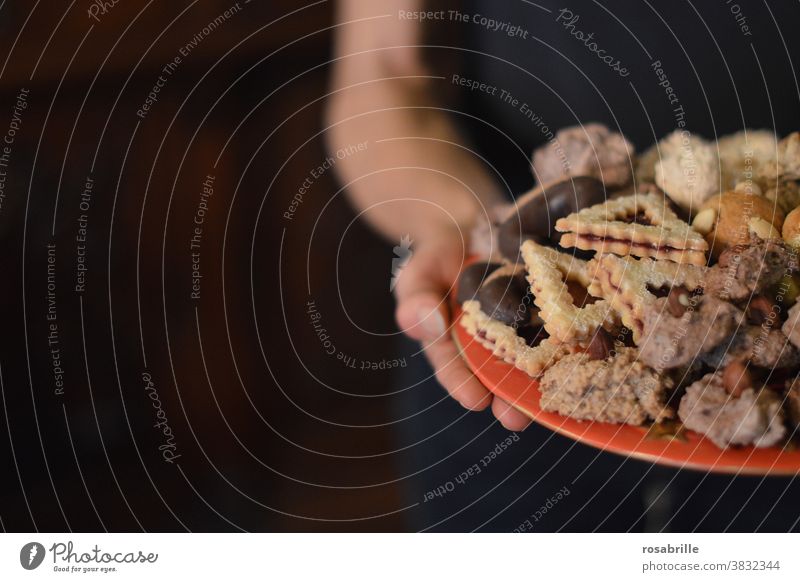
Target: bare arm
x: 423, y: 177
x: 415, y: 176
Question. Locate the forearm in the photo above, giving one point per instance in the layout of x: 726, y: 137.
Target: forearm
x: 416, y: 174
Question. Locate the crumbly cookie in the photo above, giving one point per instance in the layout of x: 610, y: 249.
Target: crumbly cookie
x: 792, y: 399
x: 586, y: 150
x: 791, y: 327
x: 785, y: 195
x: 646, y: 165
x: 764, y: 347
x: 506, y: 344
x: 787, y: 164
x: 688, y: 169
x: 671, y: 339
x: 640, y: 224
x: 745, y: 271
x: 548, y: 272
x: 754, y: 418
x: 628, y: 284
x: 741, y: 152
x: 618, y: 389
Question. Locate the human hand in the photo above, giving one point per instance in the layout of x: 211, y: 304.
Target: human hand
x: 423, y: 314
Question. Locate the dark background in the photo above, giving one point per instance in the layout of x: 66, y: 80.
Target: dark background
x: 262, y: 445
x: 273, y: 433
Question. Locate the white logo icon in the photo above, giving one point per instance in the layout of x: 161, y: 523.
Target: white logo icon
x: 402, y: 253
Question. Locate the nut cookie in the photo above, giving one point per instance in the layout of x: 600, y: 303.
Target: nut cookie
x: 586, y: 150
x: 787, y: 164
x: 688, y: 170
x: 618, y: 389
x: 763, y: 347
x: 753, y: 418
x: 744, y: 271
x: 676, y: 335
x: 740, y: 152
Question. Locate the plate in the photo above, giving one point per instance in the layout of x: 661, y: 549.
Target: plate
x: 688, y: 449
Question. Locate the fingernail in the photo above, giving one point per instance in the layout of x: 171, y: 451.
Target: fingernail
x: 431, y: 321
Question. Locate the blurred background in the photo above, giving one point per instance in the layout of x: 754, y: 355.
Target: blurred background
x: 148, y: 379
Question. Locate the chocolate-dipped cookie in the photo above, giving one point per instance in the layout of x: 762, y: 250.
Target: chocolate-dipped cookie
x: 472, y: 277
x: 537, y: 211
x: 505, y: 297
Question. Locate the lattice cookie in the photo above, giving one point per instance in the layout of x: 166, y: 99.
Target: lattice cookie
x: 505, y: 343
x: 548, y: 273
x: 639, y: 224
x: 628, y: 284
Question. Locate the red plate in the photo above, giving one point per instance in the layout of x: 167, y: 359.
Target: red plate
x: 688, y: 450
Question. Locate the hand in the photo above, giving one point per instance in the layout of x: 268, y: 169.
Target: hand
x: 423, y: 314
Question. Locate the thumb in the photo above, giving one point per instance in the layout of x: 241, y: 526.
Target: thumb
x: 422, y: 314
x: 422, y: 286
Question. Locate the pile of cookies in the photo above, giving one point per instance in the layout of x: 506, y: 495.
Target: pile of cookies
x: 638, y: 302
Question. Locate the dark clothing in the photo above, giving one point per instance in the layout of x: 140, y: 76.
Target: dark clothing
x: 646, y: 70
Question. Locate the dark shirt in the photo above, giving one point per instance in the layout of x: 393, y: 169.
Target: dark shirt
x: 645, y: 69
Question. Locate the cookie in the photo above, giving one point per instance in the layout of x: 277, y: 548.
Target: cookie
x: 791, y: 327
x: 792, y: 399
x: 688, y: 169
x: 548, y: 273
x: 641, y: 224
x: 676, y: 335
x: 535, y: 213
x: 786, y: 166
x: 741, y: 152
x: 785, y: 195
x: 533, y: 356
x: 619, y: 389
x: 586, y: 150
x: 646, y: 165
x: 745, y: 271
x: 762, y: 346
x: 753, y: 418
x: 630, y: 285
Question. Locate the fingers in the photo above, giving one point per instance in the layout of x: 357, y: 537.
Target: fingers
x: 455, y: 376
x: 421, y: 289
x: 509, y: 417
x: 423, y: 315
